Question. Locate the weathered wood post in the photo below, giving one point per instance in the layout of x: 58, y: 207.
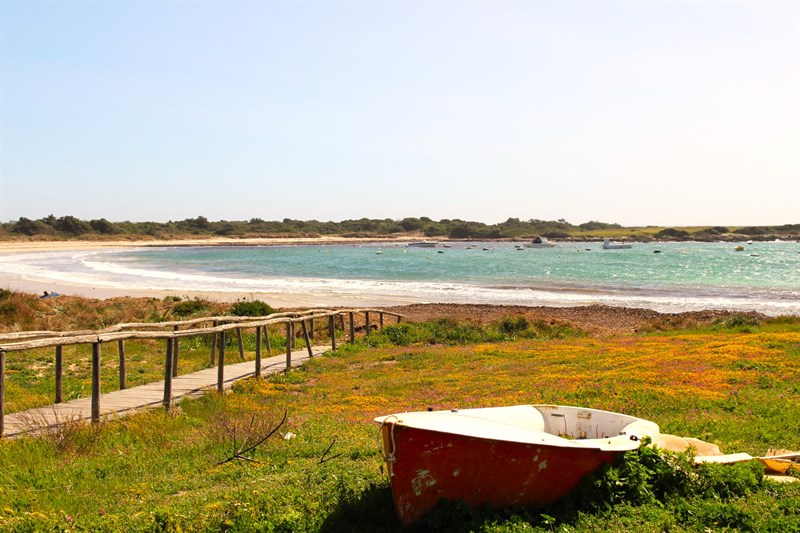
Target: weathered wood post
x: 169, y: 359
x: 213, y: 343
x: 352, y: 329
x: 175, y: 347
x: 288, y: 346
x: 241, y: 343
x: 59, y: 373
x: 294, y: 335
x: 307, y: 338
x: 269, y: 344
x: 123, y: 374
x: 341, y: 319
x: 380, y: 319
x: 2, y: 390
x: 366, y: 322
x: 332, y: 331
x: 95, y: 382
x: 311, y: 327
x: 258, y: 352
x: 221, y: 364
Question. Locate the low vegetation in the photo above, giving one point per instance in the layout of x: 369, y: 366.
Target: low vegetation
x: 735, y: 383
x: 69, y: 227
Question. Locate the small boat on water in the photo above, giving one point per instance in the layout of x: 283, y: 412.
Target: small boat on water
x: 525, y: 455
x: 540, y: 242
x: 423, y: 244
x: 613, y: 245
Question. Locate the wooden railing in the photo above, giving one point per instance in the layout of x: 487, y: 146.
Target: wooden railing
x: 218, y: 327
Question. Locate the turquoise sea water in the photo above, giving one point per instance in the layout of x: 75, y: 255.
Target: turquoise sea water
x: 681, y: 276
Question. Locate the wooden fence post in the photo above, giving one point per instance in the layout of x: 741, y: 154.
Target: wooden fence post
x: 399, y: 318
x: 2, y: 390
x: 59, y: 373
x: 175, y: 348
x: 221, y: 364
x: 95, y: 382
x: 269, y: 344
x: 213, y: 343
x: 380, y: 318
x: 366, y: 322
x: 341, y: 319
x: 294, y: 335
x: 332, y: 331
x: 307, y: 339
x: 241, y: 343
x: 169, y: 359
x: 352, y: 329
x: 258, y: 352
x: 288, y: 346
x: 311, y: 327
x: 123, y: 374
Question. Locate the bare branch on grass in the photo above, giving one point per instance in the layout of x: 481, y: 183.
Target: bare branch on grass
x: 244, y: 449
x: 325, y: 458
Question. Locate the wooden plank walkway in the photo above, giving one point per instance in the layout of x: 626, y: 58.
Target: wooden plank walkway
x: 128, y: 401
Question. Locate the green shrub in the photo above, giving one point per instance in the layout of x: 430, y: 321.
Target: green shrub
x: 741, y: 323
x: 190, y: 307
x: 251, y: 308
x: 402, y: 334
x: 512, y: 326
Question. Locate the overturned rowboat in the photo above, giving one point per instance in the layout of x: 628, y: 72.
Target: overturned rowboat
x: 522, y: 455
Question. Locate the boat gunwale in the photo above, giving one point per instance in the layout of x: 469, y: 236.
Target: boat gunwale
x: 461, y: 422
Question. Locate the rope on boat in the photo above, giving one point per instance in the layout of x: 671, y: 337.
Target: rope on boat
x: 390, y: 457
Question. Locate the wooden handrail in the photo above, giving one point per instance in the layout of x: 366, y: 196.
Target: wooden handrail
x: 42, y: 339
x: 171, y: 332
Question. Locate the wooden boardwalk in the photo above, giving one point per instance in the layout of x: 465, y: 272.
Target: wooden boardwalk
x: 128, y: 401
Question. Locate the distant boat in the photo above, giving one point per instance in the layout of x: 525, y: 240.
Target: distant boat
x: 613, y: 245
x: 521, y: 455
x: 540, y: 242
x: 423, y: 244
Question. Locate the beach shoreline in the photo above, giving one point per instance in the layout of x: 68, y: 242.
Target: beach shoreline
x: 293, y: 295
x: 278, y: 299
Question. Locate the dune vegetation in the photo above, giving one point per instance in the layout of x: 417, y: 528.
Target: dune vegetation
x: 734, y: 382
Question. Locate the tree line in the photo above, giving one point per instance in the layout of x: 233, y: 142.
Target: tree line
x: 513, y: 228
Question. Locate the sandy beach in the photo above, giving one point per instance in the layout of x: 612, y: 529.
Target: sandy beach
x: 63, y: 246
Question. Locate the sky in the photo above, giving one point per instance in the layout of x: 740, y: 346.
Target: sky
x: 639, y: 113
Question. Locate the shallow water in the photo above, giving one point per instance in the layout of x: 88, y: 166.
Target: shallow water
x: 682, y: 276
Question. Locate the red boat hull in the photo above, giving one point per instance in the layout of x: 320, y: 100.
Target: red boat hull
x: 431, y: 465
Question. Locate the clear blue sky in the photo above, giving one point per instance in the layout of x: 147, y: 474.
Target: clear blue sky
x: 641, y: 113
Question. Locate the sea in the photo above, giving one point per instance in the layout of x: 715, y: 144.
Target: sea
x: 666, y: 277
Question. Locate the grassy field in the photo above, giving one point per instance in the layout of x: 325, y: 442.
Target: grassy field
x: 736, y: 384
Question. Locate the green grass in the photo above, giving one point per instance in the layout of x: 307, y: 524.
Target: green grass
x: 161, y: 472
